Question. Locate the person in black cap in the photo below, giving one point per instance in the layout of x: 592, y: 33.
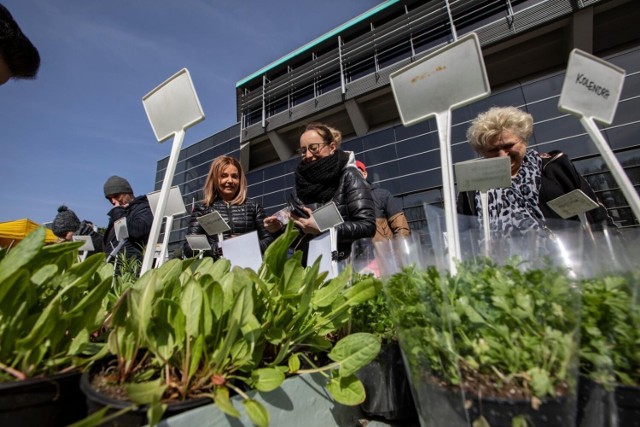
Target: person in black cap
x: 19, y: 58
x: 66, y: 225
x: 139, y: 219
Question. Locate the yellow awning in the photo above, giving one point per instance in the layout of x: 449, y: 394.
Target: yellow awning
x: 11, y: 232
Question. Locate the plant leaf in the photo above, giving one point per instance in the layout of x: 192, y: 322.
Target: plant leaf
x: 267, y: 379
x: 355, y: 351
x: 347, y: 390
x: 256, y: 412
x: 221, y: 398
x: 155, y: 412
x: 145, y: 393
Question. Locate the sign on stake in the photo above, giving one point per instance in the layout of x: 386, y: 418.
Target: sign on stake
x: 591, y: 91
x: 448, y: 78
x: 482, y: 175
x: 171, y: 108
x: 175, y: 206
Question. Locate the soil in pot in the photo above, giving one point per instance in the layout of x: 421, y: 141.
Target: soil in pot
x: 96, y: 400
x: 50, y: 401
x: 387, y: 387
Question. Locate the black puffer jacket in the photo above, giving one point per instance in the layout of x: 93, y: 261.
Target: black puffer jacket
x: 242, y: 219
x: 139, y: 221
x: 354, y: 201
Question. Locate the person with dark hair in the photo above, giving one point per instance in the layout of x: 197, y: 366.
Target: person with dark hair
x: 536, y: 177
x: 66, y: 225
x: 225, y: 191
x: 390, y: 219
x: 326, y: 174
x: 137, y: 212
x: 19, y: 58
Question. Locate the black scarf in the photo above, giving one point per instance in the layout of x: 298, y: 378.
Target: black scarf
x: 318, y: 181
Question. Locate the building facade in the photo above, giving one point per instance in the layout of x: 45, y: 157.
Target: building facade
x: 342, y: 78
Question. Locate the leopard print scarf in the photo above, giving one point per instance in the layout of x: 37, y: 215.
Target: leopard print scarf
x: 515, y: 210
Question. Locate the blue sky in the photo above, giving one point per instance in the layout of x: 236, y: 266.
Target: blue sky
x: 82, y: 119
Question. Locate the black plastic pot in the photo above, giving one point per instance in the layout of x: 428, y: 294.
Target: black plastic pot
x: 598, y: 407
x: 51, y: 401
x: 136, y: 417
x: 387, y: 386
x: 437, y: 404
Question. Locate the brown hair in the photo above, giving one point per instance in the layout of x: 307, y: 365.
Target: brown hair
x: 211, y: 190
x: 326, y: 132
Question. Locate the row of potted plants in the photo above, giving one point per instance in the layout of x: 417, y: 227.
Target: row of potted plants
x: 192, y: 330
x: 502, y: 339
x: 495, y: 343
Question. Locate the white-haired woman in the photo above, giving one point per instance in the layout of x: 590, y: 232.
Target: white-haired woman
x: 537, y: 178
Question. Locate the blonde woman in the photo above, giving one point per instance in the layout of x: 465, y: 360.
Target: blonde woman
x: 225, y: 191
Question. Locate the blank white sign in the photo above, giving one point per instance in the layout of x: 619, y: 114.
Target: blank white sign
x: 483, y: 174
x: 327, y: 216
x: 88, y: 243
x: 198, y: 242
x: 173, y: 106
x: 175, y: 204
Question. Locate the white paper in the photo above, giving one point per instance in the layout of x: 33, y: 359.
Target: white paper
x: 591, y: 87
x: 120, y: 227
x: 243, y: 251
x: 321, y: 246
x: 327, y: 216
x: 213, y: 223
x: 198, y: 242
x: 571, y: 204
x: 483, y: 174
x: 175, y: 204
x: 88, y: 243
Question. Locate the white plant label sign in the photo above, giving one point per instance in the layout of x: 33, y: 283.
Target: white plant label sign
x: 175, y: 204
x: 591, y: 87
x: 213, y: 223
x: 327, y: 216
x: 88, y: 243
x: 120, y: 227
x: 483, y: 174
x: 451, y: 77
x: 173, y: 106
x: 571, y: 204
x: 198, y: 242
x: 448, y: 78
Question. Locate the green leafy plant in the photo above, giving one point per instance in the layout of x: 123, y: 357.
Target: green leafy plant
x: 610, y: 330
x: 197, y: 328
x: 49, y: 306
x: 373, y: 316
x: 490, y: 330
